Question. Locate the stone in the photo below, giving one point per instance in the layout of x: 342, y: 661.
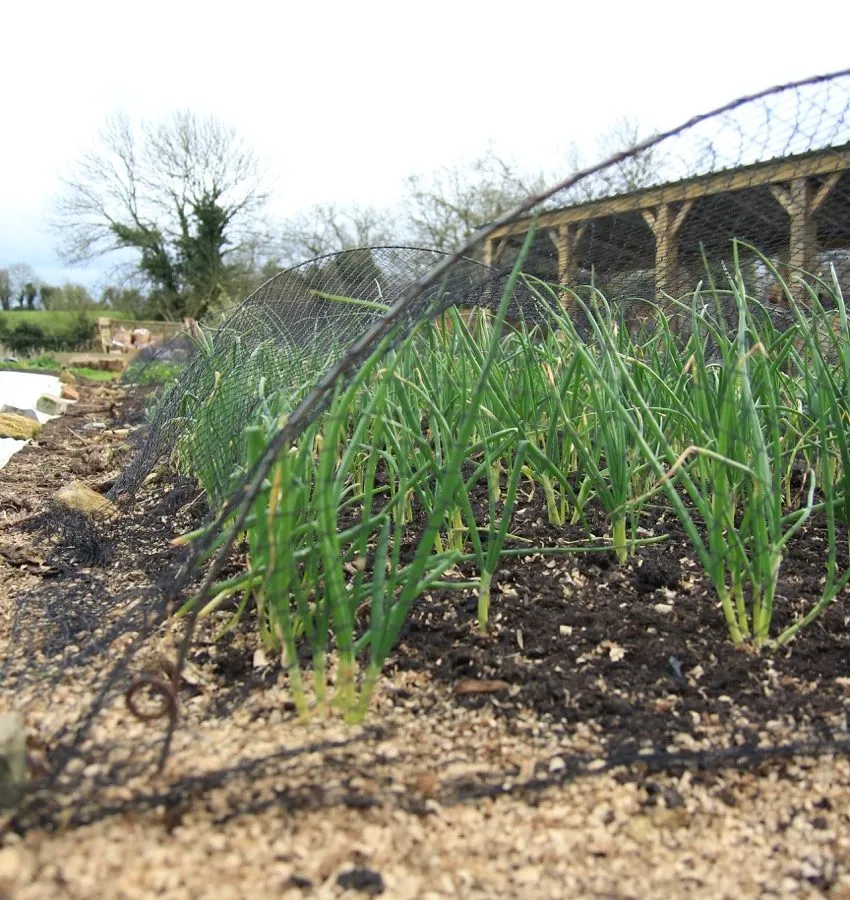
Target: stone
x: 21, y: 428
x: 80, y: 497
x: 67, y: 377
x: 141, y: 337
x: 13, y: 759
x: 17, y: 411
x: 11, y: 867
x: 69, y: 392
x: 99, y: 363
x: 50, y: 405
x: 121, y: 339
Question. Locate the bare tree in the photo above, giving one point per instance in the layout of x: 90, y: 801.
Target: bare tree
x: 636, y: 171
x: 5, y: 289
x: 327, y: 228
x: 438, y: 211
x: 184, y: 198
x: 22, y: 281
x: 30, y: 294
x: 445, y: 208
x: 66, y: 296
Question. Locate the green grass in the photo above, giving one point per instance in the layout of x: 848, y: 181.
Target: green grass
x: 94, y: 374
x: 47, y: 362
x: 42, y: 361
x: 448, y: 428
x: 42, y: 316
x: 27, y: 331
x: 155, y: 372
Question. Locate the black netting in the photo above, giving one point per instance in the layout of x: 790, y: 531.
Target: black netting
x: 302, y: 322
x: 759, y: 191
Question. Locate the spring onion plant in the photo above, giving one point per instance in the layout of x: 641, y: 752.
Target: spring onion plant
x: 419, y: 461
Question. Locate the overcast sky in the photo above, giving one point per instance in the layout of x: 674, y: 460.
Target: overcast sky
x: 343, y: 99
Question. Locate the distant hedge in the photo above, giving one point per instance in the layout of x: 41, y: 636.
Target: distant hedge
x: 28, y: 330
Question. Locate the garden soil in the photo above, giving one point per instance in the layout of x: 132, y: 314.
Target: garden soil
x: 604, y: 739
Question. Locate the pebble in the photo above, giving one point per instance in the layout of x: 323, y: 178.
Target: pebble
x: 11, y: 865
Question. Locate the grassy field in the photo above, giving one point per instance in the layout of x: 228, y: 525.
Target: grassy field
x: 141, y: 372
x: 45, y: 318
x: 32, y: 331
x: 40, y: 316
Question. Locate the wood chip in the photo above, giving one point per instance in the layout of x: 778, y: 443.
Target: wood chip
x: 474, y: 686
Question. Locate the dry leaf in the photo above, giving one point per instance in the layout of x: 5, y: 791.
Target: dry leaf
x: 425, y: 784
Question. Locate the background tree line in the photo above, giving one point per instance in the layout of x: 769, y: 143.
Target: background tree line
x: 22, y: 289
x: 182, y: 205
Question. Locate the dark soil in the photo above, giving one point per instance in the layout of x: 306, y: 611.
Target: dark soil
x: 640, y: 652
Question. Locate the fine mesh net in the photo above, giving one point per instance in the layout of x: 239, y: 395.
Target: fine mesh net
x: 766, y: 178
x: 759, y: 191
x: 291, y: 331
x: 770, y: 174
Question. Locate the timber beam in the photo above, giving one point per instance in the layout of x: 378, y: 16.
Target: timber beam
x: 822, y: 163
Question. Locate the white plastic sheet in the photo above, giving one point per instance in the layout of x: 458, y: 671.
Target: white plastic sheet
x: 22, y: 390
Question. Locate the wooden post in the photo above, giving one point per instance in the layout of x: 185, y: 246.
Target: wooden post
x: 665, y: 223
x: 104, y: 330
x: 566, y: 239
x: 488, y: 252
x: 801, y: 201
